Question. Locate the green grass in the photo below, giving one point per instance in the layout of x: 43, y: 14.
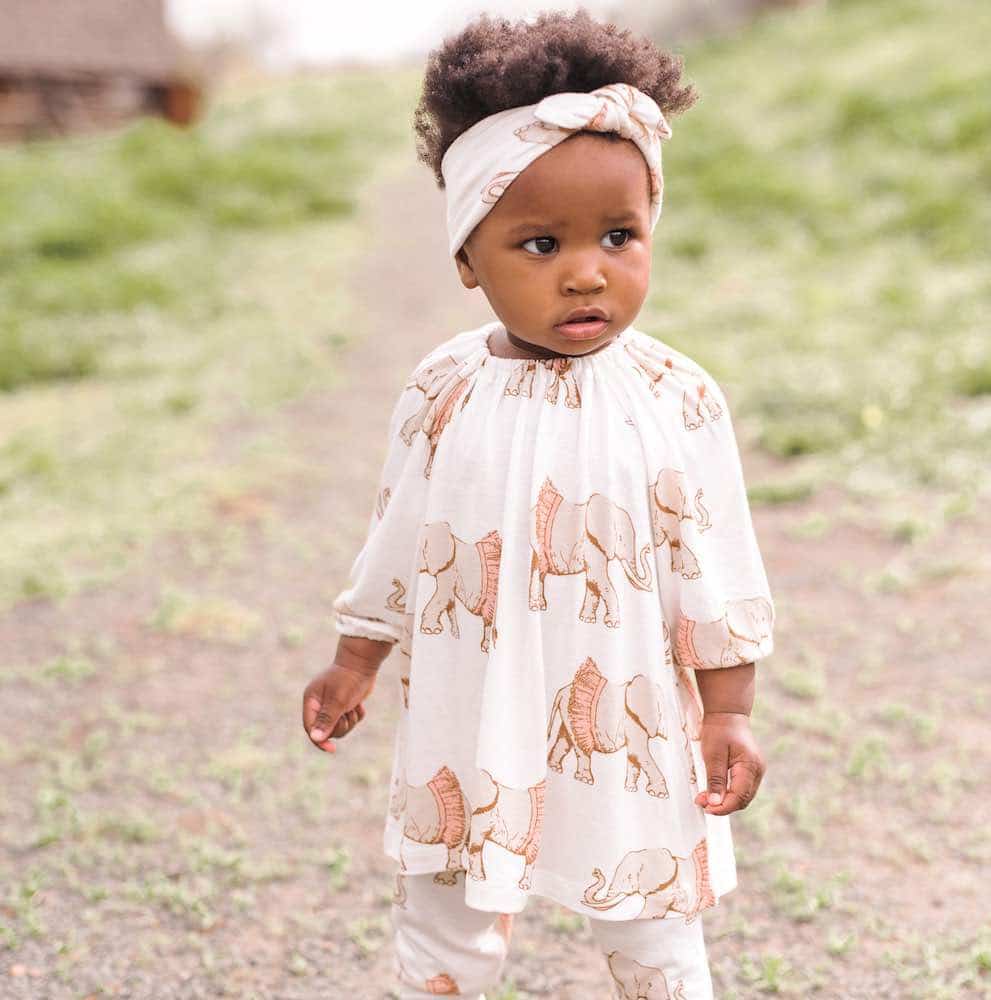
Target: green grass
x: 158, y: 285
x: 825, y: 248
x: 133, y: 221
x: 824, y: 251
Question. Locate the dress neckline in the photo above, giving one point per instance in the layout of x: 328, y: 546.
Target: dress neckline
x: 611, y: 348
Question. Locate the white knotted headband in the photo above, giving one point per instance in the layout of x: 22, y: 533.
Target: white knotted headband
x: 485, y: 159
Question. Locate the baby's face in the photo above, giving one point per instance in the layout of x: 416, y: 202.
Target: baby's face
x: 573, y: 229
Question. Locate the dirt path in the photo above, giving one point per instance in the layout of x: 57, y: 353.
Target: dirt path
x: 166, y: 830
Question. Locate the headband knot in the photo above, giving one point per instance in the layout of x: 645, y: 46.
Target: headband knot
x: 615, y: 108
x: 484, y: 160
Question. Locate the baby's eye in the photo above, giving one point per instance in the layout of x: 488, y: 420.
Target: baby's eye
x: 612, y: 232
x: 540, y: 239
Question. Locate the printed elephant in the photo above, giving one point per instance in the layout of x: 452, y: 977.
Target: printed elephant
x: 396, y: 601
x: 728, y: 641
x: 568, y: 538
x: 592, y: 714
x: 510, y: 817
x: 520, y: 381
x: 668, y: 508
x: 696, y: 402
x: 636, y: 981
x: 652, y: 874
x: 463, y: 572
x: 436, y: 813
x: 442, y: 984
x: 441, y: 395
x: 399, y: 893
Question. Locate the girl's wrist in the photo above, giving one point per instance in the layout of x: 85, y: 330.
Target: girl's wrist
x: 360, y: 653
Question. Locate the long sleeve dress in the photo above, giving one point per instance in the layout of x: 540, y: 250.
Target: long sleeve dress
x: 557, y: 545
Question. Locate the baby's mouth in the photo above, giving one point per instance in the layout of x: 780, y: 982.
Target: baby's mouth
x: 583, y: 327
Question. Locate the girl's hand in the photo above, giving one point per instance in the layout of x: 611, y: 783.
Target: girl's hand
x: 332, y: 702
x: 729, y: 749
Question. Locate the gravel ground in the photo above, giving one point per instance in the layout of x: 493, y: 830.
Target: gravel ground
x: 166, y: 830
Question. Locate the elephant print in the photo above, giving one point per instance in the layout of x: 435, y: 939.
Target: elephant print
x: 462, y: 572
x: 520, y: 381
x: 704, y: 896
x: 653, y: 874
x: 668, y: 508
x: 382, y: 501
x: 511, y: 818
x: 569, y: 538
x: 728, y: 641
x: 692, y: 776
x: 645, y: 365
x: 696, y: 402
x: 496, y: 187
x: 537, y: 131
x: 440, y: 985
x: 636, y: 981
x: 396, y: 601
x: 443, y: 985
x: 442, y: 395
x: 399, y: 894
x: 437, y: 813
x: 396, y: 798
x: 590, y: 714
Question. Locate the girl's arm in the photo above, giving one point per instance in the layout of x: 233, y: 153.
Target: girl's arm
x: 370, y: 613
x: 734, y: 765
x: 720, y: 610
x: 372, y: 606
x: 367, y: 654
x: 730, y: 689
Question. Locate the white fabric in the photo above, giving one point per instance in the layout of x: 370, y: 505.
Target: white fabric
x: 445, y: 947
x: 485, y: 159
x: 500, y: 470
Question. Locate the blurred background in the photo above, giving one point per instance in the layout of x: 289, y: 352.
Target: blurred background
x: 219, y: 260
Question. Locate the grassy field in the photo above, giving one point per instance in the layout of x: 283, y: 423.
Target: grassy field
x: 152, y: 293
x: 825, y: 250
x: 826, y: 247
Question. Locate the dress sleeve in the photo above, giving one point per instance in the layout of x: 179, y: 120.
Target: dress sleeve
x: 719, y: 608
x: 373, y: 606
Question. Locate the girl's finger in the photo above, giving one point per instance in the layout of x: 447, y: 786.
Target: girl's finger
x: 347, y: 722
x: 744, y: 779
x: 716, y: 758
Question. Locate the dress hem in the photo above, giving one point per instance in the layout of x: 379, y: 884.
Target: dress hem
x: 504, y: 899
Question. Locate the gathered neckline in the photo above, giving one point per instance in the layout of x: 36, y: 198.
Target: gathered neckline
x: 615, y: 344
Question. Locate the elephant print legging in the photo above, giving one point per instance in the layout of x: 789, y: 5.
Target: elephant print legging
x: 443, y: 946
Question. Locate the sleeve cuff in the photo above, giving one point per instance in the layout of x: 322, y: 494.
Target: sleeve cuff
x: 366, y: 628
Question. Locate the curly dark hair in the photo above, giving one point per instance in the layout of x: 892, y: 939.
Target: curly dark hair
x: 494, y: 64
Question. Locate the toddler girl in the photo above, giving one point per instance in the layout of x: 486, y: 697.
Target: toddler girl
x: 561, y: 544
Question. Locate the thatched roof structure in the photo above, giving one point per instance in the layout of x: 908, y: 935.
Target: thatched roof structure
x: 58, y: 38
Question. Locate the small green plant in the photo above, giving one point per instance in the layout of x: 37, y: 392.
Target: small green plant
x: 338, y: 861
x: 766, y: 973
x: 868, y: 758
x: 368, y: 933
x: 566, y: 922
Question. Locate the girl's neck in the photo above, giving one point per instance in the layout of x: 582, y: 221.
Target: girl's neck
x: 528, y: 351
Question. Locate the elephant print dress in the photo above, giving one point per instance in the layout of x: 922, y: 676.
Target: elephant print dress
x: 557, y: 545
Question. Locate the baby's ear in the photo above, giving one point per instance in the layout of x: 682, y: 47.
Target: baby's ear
x: 465, y: 271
